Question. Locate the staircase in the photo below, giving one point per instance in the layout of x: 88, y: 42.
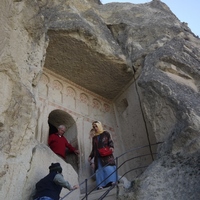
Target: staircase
x: 112, y: 192
x: 99, y: 194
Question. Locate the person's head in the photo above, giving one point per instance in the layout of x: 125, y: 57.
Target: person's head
x: 61, y: 129
x: 55, y: 167
x: 97, y: 126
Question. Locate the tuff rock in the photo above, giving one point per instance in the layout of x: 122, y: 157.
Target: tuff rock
x: 135, y: 67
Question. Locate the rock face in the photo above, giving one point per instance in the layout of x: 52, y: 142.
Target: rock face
x: 135, y: 67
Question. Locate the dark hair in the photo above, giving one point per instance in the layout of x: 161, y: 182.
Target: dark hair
x: 55, y: 167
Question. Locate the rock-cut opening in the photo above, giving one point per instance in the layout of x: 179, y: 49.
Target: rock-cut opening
x: 59, y: 117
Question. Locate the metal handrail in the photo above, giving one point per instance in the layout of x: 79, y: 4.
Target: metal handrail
x: 117, y: 167
x: 107, y: 191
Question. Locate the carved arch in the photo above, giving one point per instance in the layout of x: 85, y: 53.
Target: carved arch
x: 59, y: 117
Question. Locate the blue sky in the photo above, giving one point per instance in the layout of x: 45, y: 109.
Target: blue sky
x: 185, y: 10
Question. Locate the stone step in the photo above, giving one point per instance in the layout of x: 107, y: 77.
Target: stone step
x: 95, y: 195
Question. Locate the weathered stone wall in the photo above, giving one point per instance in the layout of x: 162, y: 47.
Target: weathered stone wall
x: 91, y: 50
x: 21, y: 57
x: 134, y: 130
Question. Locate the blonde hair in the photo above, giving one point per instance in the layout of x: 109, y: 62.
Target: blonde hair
x: 100, y: 127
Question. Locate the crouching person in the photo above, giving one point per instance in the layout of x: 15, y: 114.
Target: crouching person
x: 49, y: 187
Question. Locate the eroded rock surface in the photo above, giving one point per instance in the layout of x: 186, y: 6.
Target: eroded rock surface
x: 103, y: 48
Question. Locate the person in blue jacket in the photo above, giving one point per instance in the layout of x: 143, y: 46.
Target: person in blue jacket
x: 49, y: 187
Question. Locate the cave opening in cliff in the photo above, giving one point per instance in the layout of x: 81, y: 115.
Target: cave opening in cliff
x: 73, y: 69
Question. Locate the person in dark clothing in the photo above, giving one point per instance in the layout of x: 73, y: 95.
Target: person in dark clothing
x: 49, y: 187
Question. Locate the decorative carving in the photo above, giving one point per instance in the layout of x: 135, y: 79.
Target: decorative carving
x: 96, y: 104
x: 71, y: 92
x: 44, y: 79
x: 84, y: 98
x: 57, y: 85
x: 106, y: 107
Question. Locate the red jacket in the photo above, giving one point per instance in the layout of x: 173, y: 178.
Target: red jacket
x: 58, y: 144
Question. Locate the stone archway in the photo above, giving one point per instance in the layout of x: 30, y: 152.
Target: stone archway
x: 58, y: 117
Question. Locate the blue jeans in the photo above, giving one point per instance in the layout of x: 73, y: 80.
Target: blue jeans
x: 43, y: 198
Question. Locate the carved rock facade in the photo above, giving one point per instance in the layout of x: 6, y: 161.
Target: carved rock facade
x: 134, y: 67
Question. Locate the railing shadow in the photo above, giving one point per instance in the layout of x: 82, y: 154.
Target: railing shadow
x: 85, y: 182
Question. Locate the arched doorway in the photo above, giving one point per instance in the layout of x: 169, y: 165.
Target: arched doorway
x: 59, y: 117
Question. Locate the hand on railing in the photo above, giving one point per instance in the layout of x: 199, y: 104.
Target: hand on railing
x: 75, y: 187
x: 112, y: 149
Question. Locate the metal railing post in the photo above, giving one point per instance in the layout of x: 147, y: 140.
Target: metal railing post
x: 86, y: 184
x: 117, y: 187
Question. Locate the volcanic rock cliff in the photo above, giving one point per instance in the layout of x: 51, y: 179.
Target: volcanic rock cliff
x: 138, y: 60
